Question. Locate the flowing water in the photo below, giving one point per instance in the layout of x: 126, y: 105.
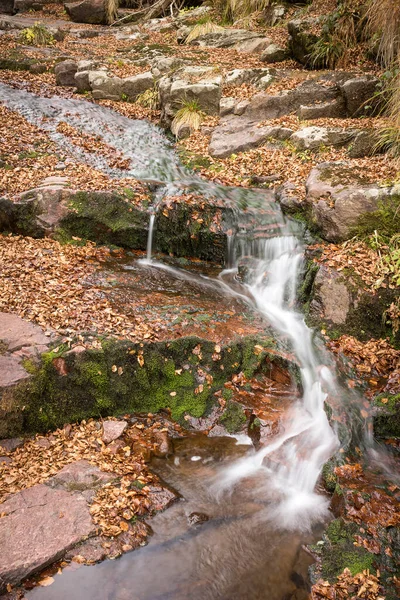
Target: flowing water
x: 261, y: 505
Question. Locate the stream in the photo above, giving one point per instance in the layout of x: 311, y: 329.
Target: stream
x: 261, y: 506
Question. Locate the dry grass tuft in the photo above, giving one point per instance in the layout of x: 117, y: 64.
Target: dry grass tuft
x: 202, y: 29
x: 189, y: 117
x: 383, y: 20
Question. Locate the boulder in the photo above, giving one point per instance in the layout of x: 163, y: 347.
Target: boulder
x: 112, y: 430
x: 202, y: 84
x: 337, y: 198
x: 236, y: 134
x: 105, y: 87
x: 364, y: 144
x: 331, y: 299
x: 264, y: 106
x: 227, y: 106
x: 39, y: 526
x: 359, y: 96
x: 273, y: 14
x: 133, y: 86
x: 87, y: 11
x: 65, y: 73
x: 273, y: 54
x: 82, y: 81
x: 7, y: 7
x: 302, y: 39
x: 162, y: 65
x: 333, y: 109
x: 79, y: 476
x: 240, y: 76
x: 312, y: 138
x: 239, y: 39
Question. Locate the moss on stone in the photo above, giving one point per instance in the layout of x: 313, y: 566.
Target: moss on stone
x: 233, y: 418
x: 338, y: 552
x: 387, y: 420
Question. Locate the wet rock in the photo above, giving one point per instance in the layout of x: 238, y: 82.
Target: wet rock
x: 160, y: 497
x: 133, y: 86
x: 331, y: 298
x: 302, y: 39
x: 238, y: 135
x: 337, y: 199
x: 358, y: 94
x: 191, y: 83
x: 197, y: 518
x: 273, y: 54
x: 91, y: 551
x: 87, y: 11
x: 287, y: 197
x: 40, y: 525
x: 112, y: 430
x: 65, y: 73
x: 312, y: 138
x: 239, y: 39
x: 163, y: 444
x: 80, y: 476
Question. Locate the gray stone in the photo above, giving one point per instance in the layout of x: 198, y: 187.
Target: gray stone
x: 11, y: 372
x: 331, y: 298
x: 105, y: 87
x: 338, y: 198
x: 240, y: 76
x: 273, y: 54
x: 191, y: 83
x: 40, y: 525
x: 273, y: 14
x: 312, y: 138
x: 334, y: 109
x: 241, y: 107
x: 82, y: 81
x: 112, y: 430
x: 16, y: 333
x: 227, y: 106
x: 265, y: 106
x: 133, y: 86
x: 80, y: 476
x: 238, y: 135
x: 364, y: 144
x: 165, y: 64
x: 239, y: 39
x: 359, y: 97
x: 65, y: 73
x: 289, y: 200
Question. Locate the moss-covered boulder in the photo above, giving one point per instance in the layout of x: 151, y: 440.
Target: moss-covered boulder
x: 118, y: 376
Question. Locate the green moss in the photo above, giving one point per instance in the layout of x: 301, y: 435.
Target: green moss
x: 233, y: 418
x: 338, y: 551
x: 387, y: 420
x: 328, y: 475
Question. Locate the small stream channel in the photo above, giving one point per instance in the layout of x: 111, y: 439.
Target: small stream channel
x: 261, y: 506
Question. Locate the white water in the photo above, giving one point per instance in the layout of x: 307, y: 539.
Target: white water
x: 307, y: 441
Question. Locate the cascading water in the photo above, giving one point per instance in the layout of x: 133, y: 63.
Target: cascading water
x: 294, y: 459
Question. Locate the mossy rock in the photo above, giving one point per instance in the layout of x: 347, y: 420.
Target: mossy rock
x: 387, y: 417
x: 337, y: 551
x: 233, y: 417
x: 123, y: 377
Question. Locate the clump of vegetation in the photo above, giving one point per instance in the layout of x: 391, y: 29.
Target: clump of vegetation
x: 383, y: 23
x: 202, y: 29
x: 149, y: 99
x: 37, y: 35
x: 111, y: 7
x: 189, y: 117
x: 233, y: 10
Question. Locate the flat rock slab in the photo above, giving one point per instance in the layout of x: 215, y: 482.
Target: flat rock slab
x: 11, y: 371
x: 80, y: 476
x: 112, y: 430
x: 40, y: 525
x: 17, y: 333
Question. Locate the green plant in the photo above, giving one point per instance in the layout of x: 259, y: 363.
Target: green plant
x: 202, y: 29
x: 37, y: 35
x: 190, y: 116
x: 327, y: 52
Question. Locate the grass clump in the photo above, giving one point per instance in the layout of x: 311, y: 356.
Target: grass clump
x: 202, y: 29
x: 37, y: 35
x: 189, y: 117
x: 383, y: 23
x: 149, y: 99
